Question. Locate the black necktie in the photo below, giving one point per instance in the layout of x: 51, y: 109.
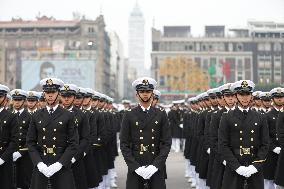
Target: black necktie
x: 245, y: 113
x: 51, y: 111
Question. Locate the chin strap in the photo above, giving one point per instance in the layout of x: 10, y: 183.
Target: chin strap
x: 144, y: 100
x: 51, y: 104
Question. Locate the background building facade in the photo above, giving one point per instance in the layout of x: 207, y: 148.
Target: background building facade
x: 78, y: 50
x: 254, y: 52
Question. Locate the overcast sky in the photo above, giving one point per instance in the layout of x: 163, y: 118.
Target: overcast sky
x: 195, y: 13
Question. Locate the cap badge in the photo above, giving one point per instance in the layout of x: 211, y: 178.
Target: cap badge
x: 244, y: 84
x: 49, y: 82
x: 66, y: 88
x: 145, y: 82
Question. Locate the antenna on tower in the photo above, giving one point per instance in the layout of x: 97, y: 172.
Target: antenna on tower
x: 101, y: 9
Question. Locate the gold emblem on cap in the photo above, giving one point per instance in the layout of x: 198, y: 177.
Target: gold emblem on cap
x: 278, y: 90
x: 244, y: 84
x: 66, y: 88
x: 49, y: 82
x: 17, y: 92
x: 145, y: 82
x: 31, y: 94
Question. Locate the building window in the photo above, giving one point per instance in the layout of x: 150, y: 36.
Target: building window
x: 267, y: 47
x: 277, y: 47
x: 240, y: 47
x: 230, y: 47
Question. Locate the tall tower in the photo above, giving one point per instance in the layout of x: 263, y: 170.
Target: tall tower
x: 136, y: 43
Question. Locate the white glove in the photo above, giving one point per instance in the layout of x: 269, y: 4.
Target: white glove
x: 43, y: 168
x: 208, y: 151
x: 140, y: 171
x: 1, y: 161
x: 224, y: 162
x: 181, y: 125
x: 149, y: 171
x: 16, y: 155
x: 73, y: 160
x: 250, y: 171
x: 54, y: 168
x: 242, y: 170
x: 277, y: 150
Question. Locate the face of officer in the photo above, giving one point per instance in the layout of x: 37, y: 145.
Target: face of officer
x: 101, y: 103
x: 244, y: 99
x: 95, y: 102
x: 266, y: 103
x: 87, y: 101
x: 18, y: 104
x: 221, y: 101
x: 257, y: 102
x: 67, y: 100
x: 31, y: 104
x: 208, y: 102
x: 278, y: 101
x: 78, y: 101
x: 230, y: 100
x: 51, y: 97
x: 145, y: 95
x: 213, y: 100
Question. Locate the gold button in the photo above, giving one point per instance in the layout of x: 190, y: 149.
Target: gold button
x: 54, y: 130
x: 20, y: 146
x: 141, y: 153
x: 252, y: 131
x: 236, y: 124
x: 153, y: 130
x: 251, y: 139
x: 54, y: 138
x: 21, y: 127
x: 241, y: 146
x: 153, y: 152
x: 251, y: 146
x: 21, y: 133
x: 54, y: 154
x: 153, y: 144
x: 141, y: 138
x: 241, y: 132
x: 241, y: 138
x: 141, y: 131
x: 43, y: 137
x: 20, y: 139
x: 43, y: 129
x: 153, y: 137
x: 276, y: 138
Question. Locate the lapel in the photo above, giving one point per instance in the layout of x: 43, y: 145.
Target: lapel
x: 150, y: 116
x: 56, y: 113
x: 47, y: 118
x: 239, y: 115
x: 249, y: 116
x: 144, y: 120
x: 3, y: 114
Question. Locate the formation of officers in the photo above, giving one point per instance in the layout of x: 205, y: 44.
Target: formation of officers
x: 233, y: 138
x: 64, y: 138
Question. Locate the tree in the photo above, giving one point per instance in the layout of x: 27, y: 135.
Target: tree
x: 181, y: 74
